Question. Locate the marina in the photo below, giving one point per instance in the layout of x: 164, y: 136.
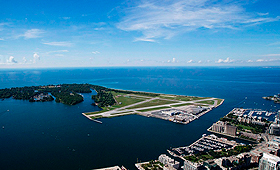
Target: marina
x: 254, y: 113
x: 204, y: 144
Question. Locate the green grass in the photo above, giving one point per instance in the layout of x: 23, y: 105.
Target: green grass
x: 96, y: 117
x: 127, y: 100
x: 155, y: 102
x: 219, y: 101
x: 143, y: 94
x: 210, y: 102
x: 246, y: 127
x: 182, y: 98
x: 158, y: 108
x: 223, y: 153
x: 105, y: 109
x: 121, y: 113
x: 185, y: 104
x: 167, y: 97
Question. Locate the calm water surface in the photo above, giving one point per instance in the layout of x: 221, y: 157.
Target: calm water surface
x: 55, y: 136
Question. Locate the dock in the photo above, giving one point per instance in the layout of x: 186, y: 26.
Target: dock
x: 97, y: 121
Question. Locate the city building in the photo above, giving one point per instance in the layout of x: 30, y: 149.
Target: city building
x: 188, y: 165
x: 269, y: 162
x: 223, y: 127
x: 274, y: 128
x: 166, y: 160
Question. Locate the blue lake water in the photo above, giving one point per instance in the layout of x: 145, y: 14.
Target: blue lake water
x: 51, y: 135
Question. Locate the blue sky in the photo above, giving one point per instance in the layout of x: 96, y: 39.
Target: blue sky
x: 93, y: 33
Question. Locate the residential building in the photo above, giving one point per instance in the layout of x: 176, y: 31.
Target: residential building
x: 188, y: 165
x: 269, y: 162
x: 166, y: 160
x: 223, y: 127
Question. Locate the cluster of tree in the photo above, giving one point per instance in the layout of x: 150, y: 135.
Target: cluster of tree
x: 69, y: 98
x: 223, y: 153
x: 64, y: 93
x: 67, y: 93
x: 21, y: 93
x: 152, y: 165
x: 104, y: 99
x: 255, y: 128
x: 46, y: 97
x: 78, y: 88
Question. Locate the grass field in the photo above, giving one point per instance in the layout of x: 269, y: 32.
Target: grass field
x: 210, y: 102
x: 122, y: 113
x: 105, y: 109
x: 158, y: 108
x: 220, y: 101
x: 96, y: 117
x: 185, y: 104
x: 182, y: 98
x: 127, y: 100
x: 155, y: 102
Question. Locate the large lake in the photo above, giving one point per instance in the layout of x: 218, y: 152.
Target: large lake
x: 55, y: 136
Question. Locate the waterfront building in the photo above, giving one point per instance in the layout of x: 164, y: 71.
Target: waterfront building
x: 274, y: 128
x: 113, y: 168
x: 188, y: 165
x: 223, y: 127
x: 230, y: 130
x: 219, y: 127
x: 269, y: 162
x: 241, y: 161
x: 166, y: 160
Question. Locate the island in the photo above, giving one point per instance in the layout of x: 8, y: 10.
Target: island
x: 114, y: 102
x: 65, y: 93
x: 176, y: 108
x: 275, y: 98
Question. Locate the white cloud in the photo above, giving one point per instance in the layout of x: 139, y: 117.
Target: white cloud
x: 267, y: 60
x: 190, y: 61
x: 262, y: 14
x: 61, y: 44
x: 3, y: 25
x: 32, y: 33
x: 66, y: 18
x: 173, y: 60
x: 11, y: 60
x: 272, y: 55
x: 144, y: 39
x: 95, y: 52
x: 24, y: 60
x: 36, y: 57
x: 165, y: 19
x: 227, y: 60
x: 274, y: 44
x: 250, y: 61
x: 199, y: 61
x: 58, y: 51
x: 59, y: 55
